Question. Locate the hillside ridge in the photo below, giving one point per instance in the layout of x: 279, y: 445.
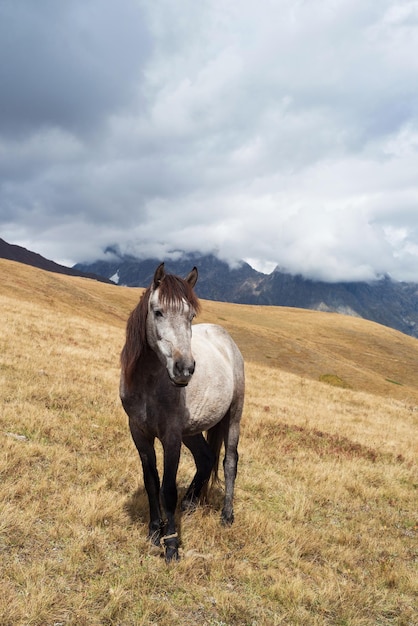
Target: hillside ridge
x: 13, y: 252
x: 360, y: 354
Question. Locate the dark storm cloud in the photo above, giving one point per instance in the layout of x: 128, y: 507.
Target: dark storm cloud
x: 67, y: 64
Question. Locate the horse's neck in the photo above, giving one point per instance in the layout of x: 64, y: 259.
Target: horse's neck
x: 149, y: 364
x: 153, y: 383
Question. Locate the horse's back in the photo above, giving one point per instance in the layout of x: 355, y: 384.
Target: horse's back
x: 219, y: 375
x: 213, y: 341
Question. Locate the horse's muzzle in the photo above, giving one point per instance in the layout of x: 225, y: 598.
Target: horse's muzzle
x: 182, y: 372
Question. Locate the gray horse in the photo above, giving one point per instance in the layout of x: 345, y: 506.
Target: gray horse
x: 178, y: 381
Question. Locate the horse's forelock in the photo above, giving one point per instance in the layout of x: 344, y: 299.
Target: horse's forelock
x: 173, y: 291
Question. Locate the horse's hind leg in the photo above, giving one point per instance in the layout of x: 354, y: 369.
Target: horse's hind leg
x: 231, y: 462
x: 204, y: 459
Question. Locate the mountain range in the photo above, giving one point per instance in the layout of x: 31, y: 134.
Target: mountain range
x: 385, y: 301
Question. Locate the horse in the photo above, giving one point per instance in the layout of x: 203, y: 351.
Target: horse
x: 177, y: 382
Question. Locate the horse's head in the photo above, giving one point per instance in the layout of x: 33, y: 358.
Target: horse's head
x: 172, y: 305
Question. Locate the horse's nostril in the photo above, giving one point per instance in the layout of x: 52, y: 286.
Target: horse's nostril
x: 182, y: 368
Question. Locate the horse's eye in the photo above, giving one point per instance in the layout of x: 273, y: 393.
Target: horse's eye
x: 158, y: 313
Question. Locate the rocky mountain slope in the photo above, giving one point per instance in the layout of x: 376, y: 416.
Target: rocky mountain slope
x: 385, y: 301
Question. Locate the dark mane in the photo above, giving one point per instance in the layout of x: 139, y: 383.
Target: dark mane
x: 172, y: 291
x: 136, y: 340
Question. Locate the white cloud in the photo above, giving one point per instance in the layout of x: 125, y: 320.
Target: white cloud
x: 283, y: 132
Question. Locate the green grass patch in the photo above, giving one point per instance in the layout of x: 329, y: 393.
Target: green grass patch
x: 334, y: 380
x: 394, y: 382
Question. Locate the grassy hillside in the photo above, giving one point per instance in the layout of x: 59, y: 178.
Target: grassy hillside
x: 326, y: 527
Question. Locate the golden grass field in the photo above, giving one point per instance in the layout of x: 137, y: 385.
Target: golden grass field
x: 326, y: 509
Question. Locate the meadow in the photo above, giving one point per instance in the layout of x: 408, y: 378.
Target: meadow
x: 326, y: 527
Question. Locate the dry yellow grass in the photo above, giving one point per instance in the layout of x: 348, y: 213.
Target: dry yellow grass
x: 326, y: 501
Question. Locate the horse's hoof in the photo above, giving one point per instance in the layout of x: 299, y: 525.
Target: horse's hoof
x: 227, y: 519
x: 171, y: 554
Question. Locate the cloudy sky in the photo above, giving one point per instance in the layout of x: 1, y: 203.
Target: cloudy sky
x: 284, y: 132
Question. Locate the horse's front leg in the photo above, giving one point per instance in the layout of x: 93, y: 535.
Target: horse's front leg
x: 145, y: 447
x: 171, y: 448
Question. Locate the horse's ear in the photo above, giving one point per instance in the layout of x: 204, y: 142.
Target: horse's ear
x: 192, y: 277
x: 159, y: 275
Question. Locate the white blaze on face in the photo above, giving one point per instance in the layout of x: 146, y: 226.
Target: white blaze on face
x: 169, y: 334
